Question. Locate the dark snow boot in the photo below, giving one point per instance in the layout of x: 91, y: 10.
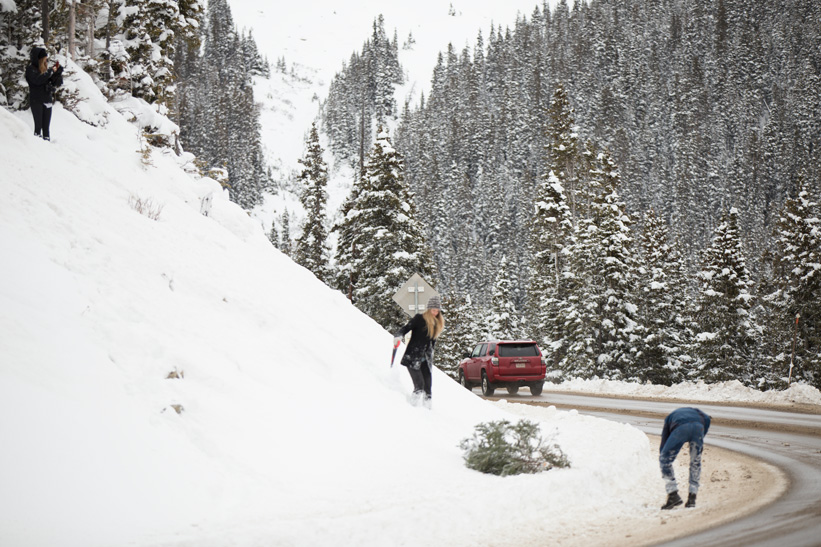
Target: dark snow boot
x: 691, y: 500
x: 673, y: 500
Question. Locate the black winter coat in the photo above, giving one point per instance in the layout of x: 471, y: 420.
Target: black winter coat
x: 41, y: 86
x: 420, y: 348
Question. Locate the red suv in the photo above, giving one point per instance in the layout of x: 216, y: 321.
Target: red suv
x: 504, y: 363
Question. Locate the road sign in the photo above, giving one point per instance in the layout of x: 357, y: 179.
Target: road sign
x: 413, y: 296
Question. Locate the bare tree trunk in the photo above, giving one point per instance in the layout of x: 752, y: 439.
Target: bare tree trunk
x: 72, y: 46
x: 91, y: 19
x: 44, y: 15
x: 107, y: 55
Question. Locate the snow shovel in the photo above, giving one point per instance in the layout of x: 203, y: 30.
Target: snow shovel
x: 395, y: 347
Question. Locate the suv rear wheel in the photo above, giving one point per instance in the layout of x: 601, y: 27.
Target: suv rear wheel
x: 487, y: 387
x: 463, y: 381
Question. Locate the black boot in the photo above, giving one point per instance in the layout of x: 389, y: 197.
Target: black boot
x: 691, y: 500
x: 673, y: 500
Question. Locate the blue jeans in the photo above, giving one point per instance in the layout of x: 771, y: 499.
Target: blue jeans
x: 692, y: 433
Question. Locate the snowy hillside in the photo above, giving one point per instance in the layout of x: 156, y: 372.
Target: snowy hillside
x: 292, y: 429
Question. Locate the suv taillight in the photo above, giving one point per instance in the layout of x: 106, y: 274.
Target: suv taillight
x: 494, y: 361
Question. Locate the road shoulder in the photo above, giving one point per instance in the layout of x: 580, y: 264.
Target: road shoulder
x: 733, y: 485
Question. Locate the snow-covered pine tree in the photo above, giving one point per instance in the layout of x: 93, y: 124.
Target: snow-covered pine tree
x: 551, y: 304
x: 390, y: 243
x: 21, y: 27
x: 795, y: 283
x: 551, y: 229
x: 255, y: 64
x: 273, y: 235
x: 503, y: 320
x: 664, y: 306
x: 725, y: 329
x: 349, y: 246
x: 312, y: 249
x: 382, y: 57
x: 563, y: 149
x: 463, y: 332
x: 150, y: 28
x: 285, y: 245
x: 605, y: 333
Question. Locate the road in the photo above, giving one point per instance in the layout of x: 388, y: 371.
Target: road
x: 789, y: 440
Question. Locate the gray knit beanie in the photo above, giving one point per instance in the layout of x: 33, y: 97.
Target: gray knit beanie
x: 434, y: 303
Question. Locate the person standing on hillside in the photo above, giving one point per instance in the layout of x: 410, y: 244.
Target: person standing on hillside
x: 681, y: 426
x: 425, y: 328
x: 42, y: 80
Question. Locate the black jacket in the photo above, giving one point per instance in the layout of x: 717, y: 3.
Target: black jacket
x: 421, y: 344
x: 41, y: 86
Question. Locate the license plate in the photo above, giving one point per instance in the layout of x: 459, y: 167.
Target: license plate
x: 521, y: 365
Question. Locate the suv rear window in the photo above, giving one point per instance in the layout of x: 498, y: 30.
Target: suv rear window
x: 518, y: 350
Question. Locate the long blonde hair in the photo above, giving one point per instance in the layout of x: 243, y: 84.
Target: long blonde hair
x: 43, y: 65
x: 435, y: 324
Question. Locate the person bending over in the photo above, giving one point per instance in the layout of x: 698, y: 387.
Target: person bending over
x: 683, y: 425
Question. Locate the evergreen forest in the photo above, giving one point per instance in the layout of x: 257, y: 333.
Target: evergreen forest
x: 618, y: 179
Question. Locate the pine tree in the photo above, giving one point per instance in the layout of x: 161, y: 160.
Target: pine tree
x: 604, y: 330
x: 463, y: 331
x: 725, y: 328
x: 391, y: 244
x: 273, y: 236
x: 312, y: 249
x: 563, y: 147
x: 20, y: 30
x: 503, y: 320
x: 796, y: 291
x: 149, y: 29
x: 253, y: 60
x: 285, y: 245
x: 349, y: 244
x: 663, y: 306
x: 551, y: 231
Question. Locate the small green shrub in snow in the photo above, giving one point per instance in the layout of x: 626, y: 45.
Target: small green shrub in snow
x: 502, y: 448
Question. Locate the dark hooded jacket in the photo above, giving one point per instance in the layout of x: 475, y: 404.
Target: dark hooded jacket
x: 420, y: 347
x: 41, y: 86
x: 683, y: 416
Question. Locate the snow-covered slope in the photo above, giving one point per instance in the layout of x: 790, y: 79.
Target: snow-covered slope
x: 293, y: 429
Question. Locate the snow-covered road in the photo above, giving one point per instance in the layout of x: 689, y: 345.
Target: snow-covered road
x: 788, y: 440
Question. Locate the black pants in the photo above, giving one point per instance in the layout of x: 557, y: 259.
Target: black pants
x: 421, y: 378
x: 42, y: 119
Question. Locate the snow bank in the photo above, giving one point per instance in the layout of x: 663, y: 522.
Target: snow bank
x: 733, y: 391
